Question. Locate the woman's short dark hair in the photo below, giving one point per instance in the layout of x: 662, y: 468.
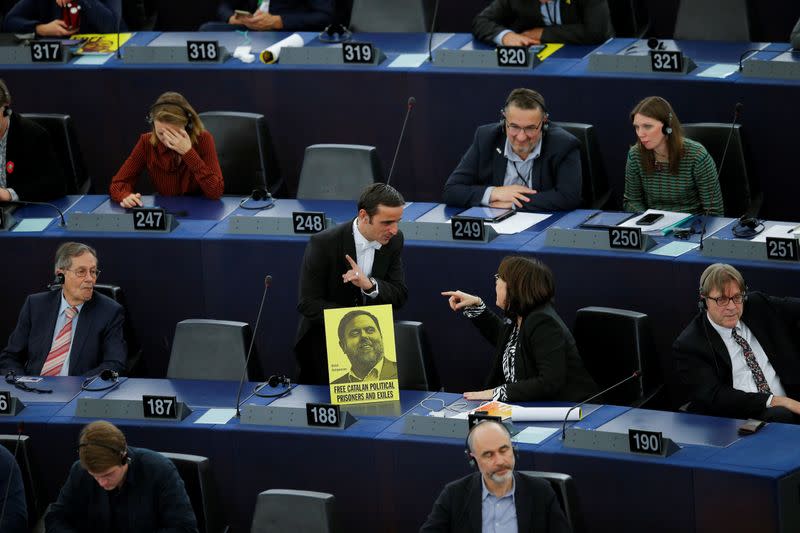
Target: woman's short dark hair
x: 529, y: 284
x: 379, y: 194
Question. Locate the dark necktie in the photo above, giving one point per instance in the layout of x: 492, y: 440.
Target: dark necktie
x: 750, y: 358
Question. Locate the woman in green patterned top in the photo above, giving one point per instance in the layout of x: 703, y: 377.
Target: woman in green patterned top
x: 666, y: 170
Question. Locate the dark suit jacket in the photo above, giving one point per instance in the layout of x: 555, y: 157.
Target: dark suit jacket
x: 556, y: 173
x: 583, y: 21
x: 388, y: 371
x: 306, y: 15
x: 458, y: 507
x: 547, y: 363
x: 153, y: 496
x: 704, y: 364
x: 321, y: 288
x: 97, y: 16
x: 37, y: 175
x: 97, y: 343
x: 15, y: 519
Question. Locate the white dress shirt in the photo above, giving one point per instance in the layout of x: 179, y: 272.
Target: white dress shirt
x: 365, y: 256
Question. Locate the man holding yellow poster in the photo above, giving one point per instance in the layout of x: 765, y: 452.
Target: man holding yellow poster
x: 362, y: 364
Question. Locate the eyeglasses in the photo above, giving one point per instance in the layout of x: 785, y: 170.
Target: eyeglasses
x: 723, y: 301
x: 82, y: 272
x: 530, y: 131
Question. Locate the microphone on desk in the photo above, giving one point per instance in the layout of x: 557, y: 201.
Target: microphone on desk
x: 703, y: 230
x: 411, y: 103
x: 20, y: 430
x: 433, y: 29
x: 636, y: 374
x: 267, y: 283
x: 23, y: 203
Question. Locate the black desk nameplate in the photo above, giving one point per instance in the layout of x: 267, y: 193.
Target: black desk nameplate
x: 202, y: 51
x: 513, y: 56
x: 149, y: 219
x: 357, y: 53
x: 47, y: 52
x: 308, y: 222
x: 625, y: 238
x: 782, y: 249
x: 647, y: 442
x: 323, y: 415
x: 666, y: 60
x: 468, y: 229
x: 160, y: 407
x: 9, y: 405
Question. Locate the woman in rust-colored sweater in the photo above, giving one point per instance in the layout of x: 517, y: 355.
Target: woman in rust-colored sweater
x: 179, y: 154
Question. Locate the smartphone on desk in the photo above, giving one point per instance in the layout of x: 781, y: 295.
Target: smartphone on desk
x: 649, y: 220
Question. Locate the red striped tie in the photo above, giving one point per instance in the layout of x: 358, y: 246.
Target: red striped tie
x: 61, y: 345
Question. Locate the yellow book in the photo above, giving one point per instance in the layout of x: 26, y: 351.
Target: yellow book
x: 101, y: 43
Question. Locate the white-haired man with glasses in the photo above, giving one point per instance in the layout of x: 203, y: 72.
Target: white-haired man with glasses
x: 522, y: 162
x: 70, y: 330
x: 739, y: 356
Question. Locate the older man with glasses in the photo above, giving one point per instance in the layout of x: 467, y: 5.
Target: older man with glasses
x: 70, y: 331
x: 739, y: 356
x: 522, y: 162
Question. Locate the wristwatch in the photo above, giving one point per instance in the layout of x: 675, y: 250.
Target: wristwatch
x: 374, y: 286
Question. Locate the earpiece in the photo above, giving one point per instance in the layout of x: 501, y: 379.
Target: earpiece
x: 747, y: 227
x: 123, y: 454
x: 274, y: 382
x: 6, y: 110
x: 476, y: 421
x: 545, y: 113
x: 666, y: 129
x: 59, y: 279
x: 279, y: 379
x: 105, y: 375
x: 258, y: 195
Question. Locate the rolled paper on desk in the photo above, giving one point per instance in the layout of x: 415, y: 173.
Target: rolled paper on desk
x: 273, y: 53
x: 543, y: 414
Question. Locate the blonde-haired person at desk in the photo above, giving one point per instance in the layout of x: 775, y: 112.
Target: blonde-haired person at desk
x: 666, y: 170
x: 535, y: 354
x: 179, y: 154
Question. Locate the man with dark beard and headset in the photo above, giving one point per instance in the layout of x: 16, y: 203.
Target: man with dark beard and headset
x: 361, y: 340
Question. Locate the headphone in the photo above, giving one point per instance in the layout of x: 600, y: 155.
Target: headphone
x: 58, y: 280
x: 274, y: 382
x: 257, y: 195
x: 747, y: 227
x: 478, y: 422
x: 536, y: 98
x: 105, y: 375
x: 123, y: 454
x: 189, y: 121
x: 335, y: 33
x: 702, y: 305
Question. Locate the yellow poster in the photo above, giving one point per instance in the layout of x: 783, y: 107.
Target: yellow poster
x: 101, y: 43
x: 362, y: 362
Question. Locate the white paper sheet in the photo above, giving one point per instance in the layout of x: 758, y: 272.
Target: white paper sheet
x: 216, y: 416
x: 408, y: 61
x: 784, y: 231
x: 675, y: 248
x: 670, y: 218
x: 518, y: 223
x: 533, y: 435
x: 720, y: 70
x: 32, y: 224
x: 543, y: 414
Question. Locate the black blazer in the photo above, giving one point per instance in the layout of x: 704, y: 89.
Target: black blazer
x: 704, y: 363
x: 321, y: 288
x: 547, y: 363
x: 97, y: 344
x: 153, y: 498
x: 583, y: 21
x: 556, y: 173
x: 36, y: 174
x: 458, y: 507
